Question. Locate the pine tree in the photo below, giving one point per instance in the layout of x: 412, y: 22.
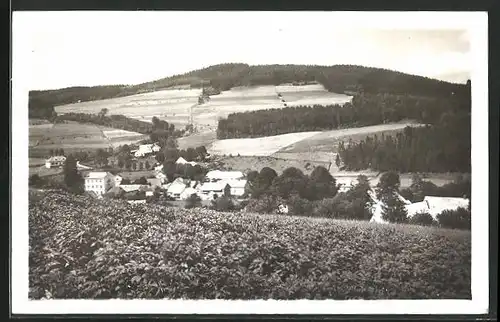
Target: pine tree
x: 72, y: 179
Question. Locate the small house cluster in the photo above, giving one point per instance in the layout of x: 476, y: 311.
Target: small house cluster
x: 431, y: 205
x: 145, y: 150
x: 215, y: 184
x: 55, y: 161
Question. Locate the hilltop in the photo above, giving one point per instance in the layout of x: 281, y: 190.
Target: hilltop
x: 86, y: 248
x: 222, y: 77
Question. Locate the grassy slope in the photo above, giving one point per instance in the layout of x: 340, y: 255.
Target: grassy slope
x: 81, y: 248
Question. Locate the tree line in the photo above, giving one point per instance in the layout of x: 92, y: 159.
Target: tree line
x: 444, y: 147
x: 113, y: 121
x: 364, y: 110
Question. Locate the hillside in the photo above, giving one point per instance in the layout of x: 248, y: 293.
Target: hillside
x: 85, y: 248
x: 339, y: 79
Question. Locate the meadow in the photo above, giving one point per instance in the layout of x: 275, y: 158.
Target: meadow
x: 84, y: 248
x: 263, y: 146
x: 73, y: 136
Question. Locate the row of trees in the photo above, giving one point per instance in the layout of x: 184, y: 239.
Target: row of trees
x: 114, y: 121
x: 170, y: 152
x: 365, y: 109
x: 444, y: 147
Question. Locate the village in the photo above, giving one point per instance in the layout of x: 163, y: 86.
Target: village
x: 104, y: 184
x: 154, y: 185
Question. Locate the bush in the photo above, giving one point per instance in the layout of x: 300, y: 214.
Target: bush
x: 422, y: 218
x: 35, y: 181
x: 193, y: 201
x: 82, y: 248
x: 456, y: 219
x: 223, y: 203
x: 299, y: 206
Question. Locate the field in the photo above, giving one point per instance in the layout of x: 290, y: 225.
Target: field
x: 263, y: 146
x: 170, y: 105
x: 309, y: 95
x: 174, y: 105
x: 327, y: 141
x: 96, y: 249
x: 73, y: 136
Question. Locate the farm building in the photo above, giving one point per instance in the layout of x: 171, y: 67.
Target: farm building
x: 146, y: 149
x: 209, y: 190
x: 431, y: 205
x: 176, y: 188
x: 55, y: 161
x: 436, y: 205
x: 99, y: 182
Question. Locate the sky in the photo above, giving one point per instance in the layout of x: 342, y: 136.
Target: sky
x: 64, y: 49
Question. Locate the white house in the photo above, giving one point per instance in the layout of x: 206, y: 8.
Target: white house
x: 99, y: 182
x: 176, y: 188
x: 237, y: 187
x: 436, y: 205
x: 431, y: 205
x: 55, y: 161
x: 209, y: 189
x: 181, y: 160
x: 223, y: 175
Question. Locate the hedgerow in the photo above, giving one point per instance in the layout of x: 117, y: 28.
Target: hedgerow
x: 86, y: 248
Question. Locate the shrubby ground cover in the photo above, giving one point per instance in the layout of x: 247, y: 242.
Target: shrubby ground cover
x: 85, y: 248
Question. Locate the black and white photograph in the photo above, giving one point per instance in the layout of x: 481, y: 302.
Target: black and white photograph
x: 249, y: 162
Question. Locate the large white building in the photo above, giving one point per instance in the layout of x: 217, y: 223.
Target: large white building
x: 99, y: 182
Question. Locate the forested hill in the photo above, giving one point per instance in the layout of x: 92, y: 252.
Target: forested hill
x: 339, y: 79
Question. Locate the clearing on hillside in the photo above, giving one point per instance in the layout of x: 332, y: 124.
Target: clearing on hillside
x: 263, y: 146
x: 309, y: 95
x: 112, y: 250
x: 171, y: 105
x: 176, y: 105
x: 73, y: 136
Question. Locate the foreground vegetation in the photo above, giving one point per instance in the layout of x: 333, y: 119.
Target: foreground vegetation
x: 83, y: 248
